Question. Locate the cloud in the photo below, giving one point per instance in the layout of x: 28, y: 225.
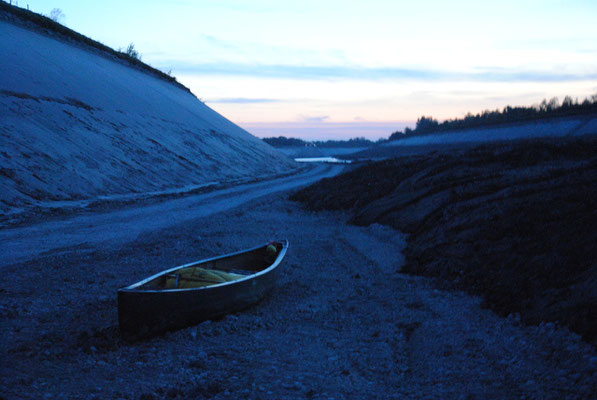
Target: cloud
x: 315, y: 119
x: 240, y: 100
x: 216, y: 50
x: 306, y: 72
x: 217, y: 42
x: 505, y: 75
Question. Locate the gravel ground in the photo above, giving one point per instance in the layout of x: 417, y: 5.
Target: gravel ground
x: 513, y: 222
x: 342, y: 323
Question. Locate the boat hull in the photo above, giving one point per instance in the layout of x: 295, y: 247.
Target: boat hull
x: 145, y: 313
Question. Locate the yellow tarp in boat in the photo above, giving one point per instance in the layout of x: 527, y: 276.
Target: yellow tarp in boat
x: 194, y: 277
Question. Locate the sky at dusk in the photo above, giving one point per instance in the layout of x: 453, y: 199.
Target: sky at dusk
x: 330, y: 69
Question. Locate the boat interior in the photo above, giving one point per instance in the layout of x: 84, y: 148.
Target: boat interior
x: 218, y: 270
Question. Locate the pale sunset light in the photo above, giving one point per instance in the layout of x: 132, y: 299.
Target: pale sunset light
x: 339, y: 69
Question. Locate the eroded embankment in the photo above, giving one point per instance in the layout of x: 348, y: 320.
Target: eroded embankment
x: 514, y: 223
x: 66, y: 138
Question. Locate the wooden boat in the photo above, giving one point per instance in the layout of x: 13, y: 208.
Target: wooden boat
x: 195, y: 292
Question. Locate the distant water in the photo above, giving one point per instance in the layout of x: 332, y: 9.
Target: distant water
x: 332, y: 160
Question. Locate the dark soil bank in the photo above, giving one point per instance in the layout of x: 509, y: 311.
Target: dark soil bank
x: 339, y: 324
x: 512, y: 222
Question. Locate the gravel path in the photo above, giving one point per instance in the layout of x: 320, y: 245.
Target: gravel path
x: 118, y: 226
x: 342, y: 323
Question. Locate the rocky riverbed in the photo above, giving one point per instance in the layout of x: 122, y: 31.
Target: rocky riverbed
x: 342, y: 323
x: 513, y: 222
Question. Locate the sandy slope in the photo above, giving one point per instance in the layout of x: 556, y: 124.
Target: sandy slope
x: 76, y: 123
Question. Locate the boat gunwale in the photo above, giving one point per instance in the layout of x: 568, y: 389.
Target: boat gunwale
x: 134, y: 287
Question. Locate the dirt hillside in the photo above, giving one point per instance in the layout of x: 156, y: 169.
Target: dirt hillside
x: 77, y: 123
x: 512, y: 222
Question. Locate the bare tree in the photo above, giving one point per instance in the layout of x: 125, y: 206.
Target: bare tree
x: 57, y: 15
x: 132, y: 52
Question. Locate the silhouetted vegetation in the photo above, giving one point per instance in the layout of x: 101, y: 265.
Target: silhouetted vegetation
x: 546, y: 109
x: 282, y: 141
x: 47, y: 23
x: 56, y: 15
x: 132, y: 52
x: 508, y: 115
x: 354, y: 142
